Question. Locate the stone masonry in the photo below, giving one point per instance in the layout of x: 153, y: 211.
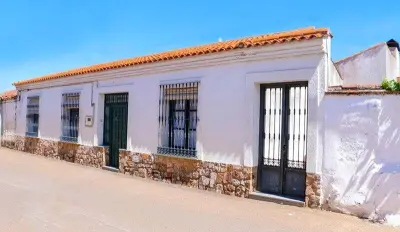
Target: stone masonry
x: 107, y: 156
x: 313, y: 190
x: 19, y: 143
x: 48, y: 148
x: 8, y: 143
x: 67, y: 151
x: 31, y: 144
x: 90, y: 156
x: 221, y: 178
x: 226, y: 179
x: 71, y: 152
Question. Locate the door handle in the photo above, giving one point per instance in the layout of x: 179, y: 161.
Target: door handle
x: 284, y: 148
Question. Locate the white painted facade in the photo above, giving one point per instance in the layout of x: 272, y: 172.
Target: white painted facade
x: 393, y: 64
x: 351, y: 140
x: 370, y: 67
x: 361, y: 164
x: 335, y: 78
x: 229, y: 92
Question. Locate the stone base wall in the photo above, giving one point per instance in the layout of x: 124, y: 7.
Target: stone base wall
x: 221, y: 178
x: 313, y: 190
x: 8, y: 143
x: 31, y: 144
x: 71, y: 152
x: 226, y: 179
x: 47, y: 148
x: 107, y: 156
x: 8, y: 140
x: 20, y: 143
x: 90, y: 156
x: 67, y: 151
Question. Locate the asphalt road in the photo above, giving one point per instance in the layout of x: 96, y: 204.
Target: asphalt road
x: 39, y: 194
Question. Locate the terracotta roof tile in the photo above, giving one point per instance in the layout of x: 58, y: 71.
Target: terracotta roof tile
x: 262, y: 40
x: 8, y: 95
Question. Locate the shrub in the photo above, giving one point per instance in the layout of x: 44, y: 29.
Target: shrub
x: 390, y: 85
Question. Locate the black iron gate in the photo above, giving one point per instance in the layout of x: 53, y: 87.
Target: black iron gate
x: 283, y: 139
x: 115, y: 125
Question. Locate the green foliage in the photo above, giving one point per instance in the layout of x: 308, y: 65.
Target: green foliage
x: 385, y: 84
x: 390, y: 85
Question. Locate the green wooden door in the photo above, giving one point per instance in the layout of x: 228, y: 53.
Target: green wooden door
x: 115, y: 125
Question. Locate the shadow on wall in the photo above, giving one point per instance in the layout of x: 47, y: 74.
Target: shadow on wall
x: 365, y: 180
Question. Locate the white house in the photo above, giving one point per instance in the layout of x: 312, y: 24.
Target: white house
x: 371, y: 66
x: 193, y: 115
x: 248, y: 117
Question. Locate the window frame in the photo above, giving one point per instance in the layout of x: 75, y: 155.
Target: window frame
x: 70, y: 129
x: 171, y: 95
x: 32, y: 115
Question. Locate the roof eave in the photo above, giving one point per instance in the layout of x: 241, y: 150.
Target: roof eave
x: 256, y: 41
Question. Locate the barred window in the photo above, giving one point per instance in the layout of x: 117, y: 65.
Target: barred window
x: 70, y: 117
x: 178, y: 119
x: 32, y: 116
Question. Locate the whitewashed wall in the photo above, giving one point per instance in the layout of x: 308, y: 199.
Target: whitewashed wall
x: 228, y: 99
x: 7, y: 119
x: 361, y: 165
x: 369, y: 67
x: 334, y: 76
x: 393, y: 64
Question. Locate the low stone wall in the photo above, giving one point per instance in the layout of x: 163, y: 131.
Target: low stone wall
x: 221, y: 178
x: 41, y: 147
x: 226, y: 179
x: 71, y: 152
x: 90, y: 156
x: 8, y: 143
x: 19, y: 143
x: 106, y: 156
x: 313, y: 190
x: 31, y: 144
x: 48, y: 148
x: 67, y: 151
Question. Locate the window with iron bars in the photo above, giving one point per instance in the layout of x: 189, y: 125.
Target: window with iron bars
x: 32, y: 116
x: 178, y: 119
x: 70, y: 117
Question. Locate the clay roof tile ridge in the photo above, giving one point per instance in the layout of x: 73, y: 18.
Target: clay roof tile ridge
x: 273, y: 38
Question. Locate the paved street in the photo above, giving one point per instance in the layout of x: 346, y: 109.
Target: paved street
x: 39, y: 194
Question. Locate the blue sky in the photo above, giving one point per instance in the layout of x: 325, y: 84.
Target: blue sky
x: 45, y: 36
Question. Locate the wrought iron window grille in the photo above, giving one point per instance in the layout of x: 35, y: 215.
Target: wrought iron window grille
x: 70, y: 117
x: 178, y: 119
x: 32, y: 116
x: 116, y: 98
x: 297, y: 127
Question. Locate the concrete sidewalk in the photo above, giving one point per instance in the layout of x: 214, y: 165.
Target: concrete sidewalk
x: 39, y: 194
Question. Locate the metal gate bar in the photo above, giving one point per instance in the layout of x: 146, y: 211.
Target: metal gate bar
x: 273, y: 129
x: 297, y: 133
x: 283, y: 139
